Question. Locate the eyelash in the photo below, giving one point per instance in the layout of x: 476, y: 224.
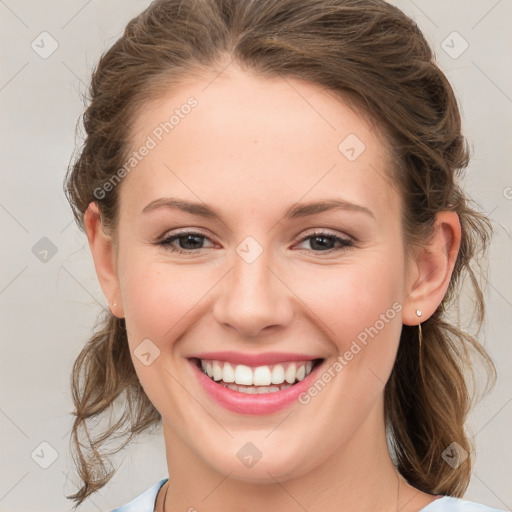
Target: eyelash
x: 345, y: 242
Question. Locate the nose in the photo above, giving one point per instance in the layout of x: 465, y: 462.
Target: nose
x: 253, y: 298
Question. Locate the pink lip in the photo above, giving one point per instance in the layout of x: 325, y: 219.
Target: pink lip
x: 254, y: 359
x: 244, y: 403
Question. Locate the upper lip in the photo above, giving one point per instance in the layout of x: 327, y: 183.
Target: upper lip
x: 262, y: 359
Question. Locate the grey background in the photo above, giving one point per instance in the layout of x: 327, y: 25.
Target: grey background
x: 50, y: 301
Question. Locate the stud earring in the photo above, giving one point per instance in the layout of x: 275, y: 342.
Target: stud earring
x: 418, y: 312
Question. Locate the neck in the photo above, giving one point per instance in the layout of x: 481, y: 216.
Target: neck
x: 359, y: 476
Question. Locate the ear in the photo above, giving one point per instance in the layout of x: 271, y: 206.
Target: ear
x: 430, y: 269
x: 104, y: 256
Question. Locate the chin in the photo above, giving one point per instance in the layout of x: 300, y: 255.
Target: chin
x: 244, y: 461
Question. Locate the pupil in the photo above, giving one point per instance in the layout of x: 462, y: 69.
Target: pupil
x: 190, y: 239
x: 322, y: 244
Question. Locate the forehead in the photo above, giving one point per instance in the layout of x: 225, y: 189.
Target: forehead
x: 252, y: 141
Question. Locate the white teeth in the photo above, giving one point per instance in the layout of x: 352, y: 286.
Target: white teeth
x: 228, y: 373
x: 217, y: 371
x: 278, y: 374
x: 243, y: 375
x: 258, y: 390
x: 262, y: 376
x: 209, y: 369
x: 268, y: 378
x: 290, y: 373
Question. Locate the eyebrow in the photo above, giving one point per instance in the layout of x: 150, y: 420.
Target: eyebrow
x: 295, y: 211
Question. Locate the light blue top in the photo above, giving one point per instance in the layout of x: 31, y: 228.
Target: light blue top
x: 146, y: 503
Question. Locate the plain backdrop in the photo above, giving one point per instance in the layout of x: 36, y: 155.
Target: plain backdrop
x: 49, y: 294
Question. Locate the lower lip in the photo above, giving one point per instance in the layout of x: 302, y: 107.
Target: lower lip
x: 245, y: 403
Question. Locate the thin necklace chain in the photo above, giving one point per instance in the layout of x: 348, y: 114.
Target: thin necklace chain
x: 397, y: 493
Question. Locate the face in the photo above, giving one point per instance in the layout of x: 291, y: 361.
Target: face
x: 255, y: 274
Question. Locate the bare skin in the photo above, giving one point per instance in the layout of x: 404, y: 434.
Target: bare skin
x: 250, y: 149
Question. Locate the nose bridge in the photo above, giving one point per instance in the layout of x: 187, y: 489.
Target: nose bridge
x: 252, y: 296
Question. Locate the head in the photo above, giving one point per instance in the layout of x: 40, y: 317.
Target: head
x: 270, y: 111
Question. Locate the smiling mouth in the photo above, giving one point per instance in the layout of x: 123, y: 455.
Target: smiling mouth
x: 258, y: 379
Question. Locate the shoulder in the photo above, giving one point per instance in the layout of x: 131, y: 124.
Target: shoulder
x: 145, y: 502
x: 451, y: 504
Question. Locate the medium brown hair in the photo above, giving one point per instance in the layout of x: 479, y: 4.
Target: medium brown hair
x: 365, y: 50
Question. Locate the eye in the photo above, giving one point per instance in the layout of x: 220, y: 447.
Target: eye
x: 189, y: 242
x: 186, y: 241
x: 321, y: 241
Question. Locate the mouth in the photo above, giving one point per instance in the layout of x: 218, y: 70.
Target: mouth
x: 262, y: 389
x: 256, y: 379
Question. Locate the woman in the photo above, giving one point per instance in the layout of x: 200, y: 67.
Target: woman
x: 269, y: 191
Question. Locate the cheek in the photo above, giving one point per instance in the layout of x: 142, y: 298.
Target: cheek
x: 352, y: 297
x: 159, y: 298
x: 358, y: 307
